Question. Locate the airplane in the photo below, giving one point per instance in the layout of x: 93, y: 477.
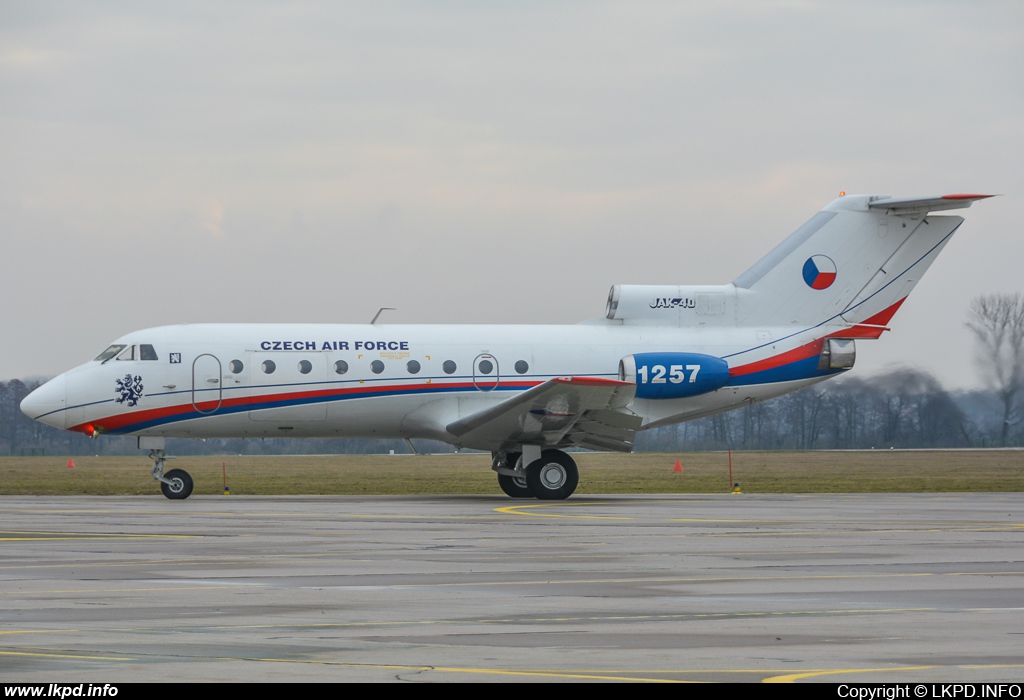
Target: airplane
x: 661, y: 355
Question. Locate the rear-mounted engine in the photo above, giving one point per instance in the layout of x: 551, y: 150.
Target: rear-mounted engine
x: 837, y: 353
x: 673, y: 375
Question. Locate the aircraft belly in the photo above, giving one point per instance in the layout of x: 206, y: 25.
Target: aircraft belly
x: 359, y: 418
x: 428, y: 419
x: 380, y: 417
x: 302, y: 413
x: 220, y: 426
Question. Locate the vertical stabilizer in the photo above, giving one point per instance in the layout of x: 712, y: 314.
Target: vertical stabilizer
x: 854, y: 262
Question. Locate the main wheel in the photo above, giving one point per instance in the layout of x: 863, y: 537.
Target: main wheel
x: 514, y: 486
x: 180, y: 486
x: 553, y: 477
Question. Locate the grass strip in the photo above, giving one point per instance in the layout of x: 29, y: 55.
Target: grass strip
x: 854, y: 471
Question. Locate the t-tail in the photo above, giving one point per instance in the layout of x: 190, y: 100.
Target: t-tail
x: 851, y: 265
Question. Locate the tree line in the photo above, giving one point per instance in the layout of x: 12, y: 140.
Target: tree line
x: 904, y: 408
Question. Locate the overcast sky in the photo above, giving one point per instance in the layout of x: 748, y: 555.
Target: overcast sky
x: 481, y: 162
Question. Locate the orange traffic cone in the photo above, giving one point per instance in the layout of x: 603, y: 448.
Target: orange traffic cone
x: 678, y: 467
x: 71, y: 463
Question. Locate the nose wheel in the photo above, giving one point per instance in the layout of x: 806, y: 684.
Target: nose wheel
x: 178, y: 484
x: 175, y: 484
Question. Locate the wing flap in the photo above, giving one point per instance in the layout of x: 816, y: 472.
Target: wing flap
x: 593, y: 442
x: 562, y: 411
x: 592, y: 427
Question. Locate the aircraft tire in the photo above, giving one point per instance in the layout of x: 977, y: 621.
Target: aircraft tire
x: 182, y: 486
x: 514, y: 486
x: 553, y: 477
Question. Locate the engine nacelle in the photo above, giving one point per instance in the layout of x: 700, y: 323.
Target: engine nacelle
x: 673, y: 375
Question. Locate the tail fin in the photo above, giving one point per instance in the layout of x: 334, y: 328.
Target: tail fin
x: 854, y: 262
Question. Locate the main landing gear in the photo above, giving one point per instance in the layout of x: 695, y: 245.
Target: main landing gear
x: 551, y: 476
x: 514, y: 486
x: 175, y: 484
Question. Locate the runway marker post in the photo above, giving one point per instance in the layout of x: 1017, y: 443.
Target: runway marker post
x: 224, y: 471
x: 735, y: 484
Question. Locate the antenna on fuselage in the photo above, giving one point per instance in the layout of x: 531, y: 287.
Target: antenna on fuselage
x: 380, y: 311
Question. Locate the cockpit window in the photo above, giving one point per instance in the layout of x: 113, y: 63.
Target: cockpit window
x: 146, y: 352
x: 109, y: 352
x: 128, y: 354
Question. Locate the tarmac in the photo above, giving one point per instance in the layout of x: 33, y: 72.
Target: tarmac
x: 918, y: 588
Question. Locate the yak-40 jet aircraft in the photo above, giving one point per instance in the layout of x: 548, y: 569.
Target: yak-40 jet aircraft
x: 661, y: 355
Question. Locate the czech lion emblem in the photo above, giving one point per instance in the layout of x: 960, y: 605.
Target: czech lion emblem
x: 129, y: 389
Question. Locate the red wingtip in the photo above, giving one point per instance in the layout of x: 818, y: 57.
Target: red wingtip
x: 967, y: 196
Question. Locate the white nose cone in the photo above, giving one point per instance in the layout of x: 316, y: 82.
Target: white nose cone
x: 47, y: 403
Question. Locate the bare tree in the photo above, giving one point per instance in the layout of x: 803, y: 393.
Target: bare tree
x: 997, y: 321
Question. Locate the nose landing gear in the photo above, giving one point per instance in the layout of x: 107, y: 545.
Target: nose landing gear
x: 175, y: 484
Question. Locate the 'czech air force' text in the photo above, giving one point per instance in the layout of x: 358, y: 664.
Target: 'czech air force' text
x: 334, y: 345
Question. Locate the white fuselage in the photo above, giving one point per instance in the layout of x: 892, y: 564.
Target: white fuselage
x: 212, y: 380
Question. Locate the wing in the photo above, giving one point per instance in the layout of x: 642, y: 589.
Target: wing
x: 565, y: 412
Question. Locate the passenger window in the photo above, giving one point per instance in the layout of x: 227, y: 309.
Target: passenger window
x: 449, y: 367
x: 268, y: 366
x: 340, y: 367
x: 485, y: 367
x: 305, y: 366
x: 128, y: 354
x: 236, y: 366
x: 522, y: 367
x: 146, y: 352
x: 109, y: 352
x: 413, y: 367
x: 376, y: 366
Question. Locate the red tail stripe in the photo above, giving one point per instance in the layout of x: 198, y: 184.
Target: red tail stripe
x: 872, y: 328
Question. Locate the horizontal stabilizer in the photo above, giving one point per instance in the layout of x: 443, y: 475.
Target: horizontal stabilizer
x: 920, y: 206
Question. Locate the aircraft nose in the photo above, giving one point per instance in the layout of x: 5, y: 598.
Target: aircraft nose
x: 47, y: 403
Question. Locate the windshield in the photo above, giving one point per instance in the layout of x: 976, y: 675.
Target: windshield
x: 108, y: 353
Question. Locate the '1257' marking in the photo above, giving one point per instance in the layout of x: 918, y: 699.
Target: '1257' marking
x: 676, y: 375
